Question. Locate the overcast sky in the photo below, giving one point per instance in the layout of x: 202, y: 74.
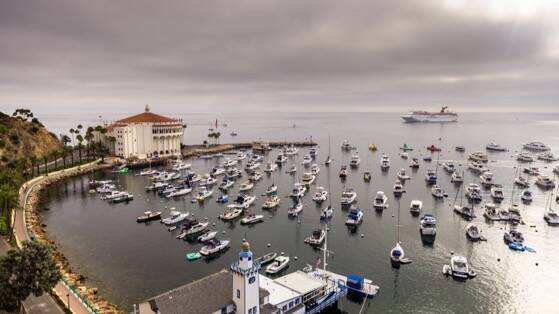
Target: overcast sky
x: 280, y: 55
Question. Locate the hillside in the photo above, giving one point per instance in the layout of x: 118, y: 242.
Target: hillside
x: 24, y: 136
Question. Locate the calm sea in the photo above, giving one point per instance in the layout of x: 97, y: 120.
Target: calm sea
x: 130, y: 262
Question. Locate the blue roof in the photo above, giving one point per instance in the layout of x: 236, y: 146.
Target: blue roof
x: 245, y: 254
x: 354, y: 278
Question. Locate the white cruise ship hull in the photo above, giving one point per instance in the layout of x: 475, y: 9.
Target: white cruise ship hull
x: 440, y: 118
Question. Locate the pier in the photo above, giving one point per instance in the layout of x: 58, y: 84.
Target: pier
x: 199, y: 150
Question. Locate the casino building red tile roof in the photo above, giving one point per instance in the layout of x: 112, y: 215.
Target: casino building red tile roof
x: 147, y: 117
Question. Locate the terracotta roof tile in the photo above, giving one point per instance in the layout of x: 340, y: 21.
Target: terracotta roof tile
x: 147, y: 117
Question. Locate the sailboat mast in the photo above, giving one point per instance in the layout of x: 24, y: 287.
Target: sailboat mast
x: 325, y: 248
x: 398, y: 227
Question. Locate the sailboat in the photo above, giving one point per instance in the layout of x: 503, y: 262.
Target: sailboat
x: 328, y: 159
x: 464, y: 210
x: 397, y: 256
x: 327, y: 212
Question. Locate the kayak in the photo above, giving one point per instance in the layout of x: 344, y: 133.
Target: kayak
x: 193, y: 256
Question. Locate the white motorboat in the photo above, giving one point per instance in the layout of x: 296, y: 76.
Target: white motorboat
x: 315, y: 169
x: 207, y: 236
x: 181, y: 166
x: 252, y: 219
x: 491, y: 212
x: 346, y: 145
x: 291, y: 150
x: 241, y: 156
x: 384, y: 162
x: 112, y: 195
x: 355, y: 161
x: 477, y: 167
x: 355, y: 217
x: 497, y: 193
x: 327, y: 213
x: 551, y: 217
x: 252, y: 165
x: 465, y: 211
x: 381, y: 201
x: 149, y: 216
x: 179, y: 192
x: 307, y: 160
x: 234, y: 173
x: 279, y: 264
x: 156, y: 186
x: 437, y: 191
x: 556, y: 169
x: 193, y: 229
x: 316, y: 238
x: 174, y: 218
x: 397, y: 256
x: 473, y: 192
x: 242, y: 201
x: 514, y: 213
x: 246, y: 186
x: 295, y: 209
x: 458, y: 268
x: 106, y: 188
x: 214, y: 246
x: 226, y: 184
x: 536, y: 147
x: 122, y: 197
x: 478, y: 157
x: 457, y: 177
x: 148, y: 173
x: 524, y: 157
x: 343, y: 171
x: 526, y: 196
x: 348, y: 196
x: 298, y: 190
x: 271, y: 202
x: 216, y: 171
x: 228, y: 163
x: 449, y: 167
x: 272, y: 189
x: 513, y: 236
x: 291, y: 170
x: 415, y: 207
x: 496, y: 147
x: 313, y: 152
x: 402, y: 175
x: 522, y: 182
x: 431, y: 176
x: 414, y: 163
x: 547, y: 156
x: 207, y: 180
x: 486, y: 179
x: 320, y: 195
x: 203, y: 194
x: 270, y: 167
x: 308, y: 178
x: 428, y: 225
x: 281, y: 159
x: 256, y: 158
x: 545, y: 182
x: 398, y: 188
x: 231, y: 213
x: 266, y: 259
x: 255, y: 176
x: 532, y: 171
x: 404, y: 155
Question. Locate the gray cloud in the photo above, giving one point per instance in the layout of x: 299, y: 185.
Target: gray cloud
x: 219, y: 55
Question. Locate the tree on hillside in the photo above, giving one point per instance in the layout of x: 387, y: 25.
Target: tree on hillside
x: 31, y: 270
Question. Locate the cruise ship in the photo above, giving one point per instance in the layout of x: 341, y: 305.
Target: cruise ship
x: 425, y: 116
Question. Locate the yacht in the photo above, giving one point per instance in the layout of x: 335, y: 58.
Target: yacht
x: 327, y: 213
x: 424, y: 116
x: 431, y: 177
x: 181, y: 166
x: 256, y: 158
x: 477, y: 167
x: 291, y: 170
x: 207, y: 236
x: 315, y: 169
x: 295, y: 209
x: 271, y: 202
x: 252, y: 165
x: 279, y: 264
x: 491, y: 212
x: 231, y: 213
x: 307, y: 160
x: 106, y: 188
x: 465, y: 211
x: 112, y: 195
x: 291, y: 150
x: 526, y: 196
x: 486, y: 179
x: 281, y: 159
x: 216, y: 171
x: 414, y: 163
x: 214, y: 246
x: 532, y: 171
x: 513, y: 236
x: 316, y: 238
x: 355, y: 217
x: 460, y: 149
x: 320, y: 195
x: 252, y: 219
x: 174, y: 218
x: 545, y: 182
x: 228, y: 163
x: 457, y: 177
x: 547, y: 156
x: 246, y: 186
x: 270, y: 167
x: 346, y: 146
x: 241, y: 156
x: 524, y: 157
x: 272, y: 189
x: 255, y: 176
x: 415, y: 207
x: 313, y: 152
x: 428, y: 225
x: 123, y: 197
x: 157, y: 186
x: 473, y: 233
x: 478, y: 156
x: 449, y: 167
x: 384, y: 162
x: 355, y: 161
x: 495, y: 147
x: 381, y: 201
x: 497, y: 193
x: 551, y: 217
x: 522, y: 182
x: 398, y: 188
x: 267, y: 258
x: 203, y: 194
x: 437, y: 191
x: 536, y: 146
x: 473, y: 192
x: 348, y: 196
x: 207, y: 180
x: 402, y: 176
x: 514, y: 213
x: 308, y: 178
x: 179, y: 192
x: 298, y: 190
x: 149, y: 216
x: 458, y: 268
x: 148, y: 173
x: 196, y: 228
x: 222, y: 199
x: 226, y: 184
x: 242, y: 201
x: 234, y: 173
x: 343, y: 172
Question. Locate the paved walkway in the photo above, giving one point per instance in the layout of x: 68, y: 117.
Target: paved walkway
x: 63, y: 292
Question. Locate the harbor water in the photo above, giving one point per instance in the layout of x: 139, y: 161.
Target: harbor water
x: 131, y: 262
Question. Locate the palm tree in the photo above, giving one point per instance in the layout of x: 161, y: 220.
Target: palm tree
x: 33, y: 160
x: 54, y: 154
x: 80, y: 140
x: 45, y: 160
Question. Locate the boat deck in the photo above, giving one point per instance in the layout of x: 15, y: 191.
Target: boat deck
x: 369, y: 289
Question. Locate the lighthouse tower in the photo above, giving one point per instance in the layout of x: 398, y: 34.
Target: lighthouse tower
x: 246, y: 290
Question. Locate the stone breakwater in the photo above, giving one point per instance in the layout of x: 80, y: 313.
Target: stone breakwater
x: 36, y: 229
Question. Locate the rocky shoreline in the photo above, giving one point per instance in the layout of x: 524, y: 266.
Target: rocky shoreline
x: 37, y: 229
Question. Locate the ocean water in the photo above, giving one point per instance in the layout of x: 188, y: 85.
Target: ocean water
x: 130, y: 262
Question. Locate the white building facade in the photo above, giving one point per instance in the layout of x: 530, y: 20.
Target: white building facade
x: 145, y: 135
